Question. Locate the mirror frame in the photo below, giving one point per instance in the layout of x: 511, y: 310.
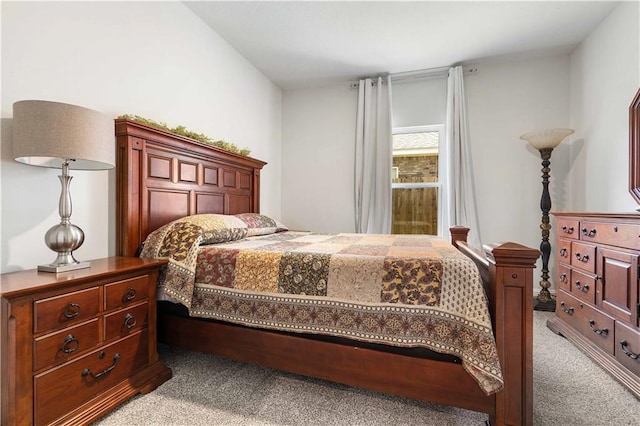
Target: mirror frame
x: 634, y: 147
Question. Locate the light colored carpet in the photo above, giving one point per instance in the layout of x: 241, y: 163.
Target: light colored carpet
x: 569, y: 389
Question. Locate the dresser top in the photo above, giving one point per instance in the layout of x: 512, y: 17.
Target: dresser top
x: 22, y: 283
x: 592, y: 215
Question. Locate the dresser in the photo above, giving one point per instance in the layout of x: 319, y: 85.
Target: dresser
x: 77, y: 344
x: 597, y: 306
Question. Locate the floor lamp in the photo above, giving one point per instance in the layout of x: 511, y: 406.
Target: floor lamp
x: 545, y: 141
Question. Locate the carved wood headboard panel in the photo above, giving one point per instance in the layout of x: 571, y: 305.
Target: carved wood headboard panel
x: 162, y: 176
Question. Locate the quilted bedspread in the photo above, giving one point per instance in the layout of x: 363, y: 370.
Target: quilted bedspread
x: 401, y: 290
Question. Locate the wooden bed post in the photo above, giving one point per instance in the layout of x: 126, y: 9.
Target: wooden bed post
x: 458, y: 234
x: 511, y: 296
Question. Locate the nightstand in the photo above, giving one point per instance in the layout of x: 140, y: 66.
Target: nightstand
x: 75, y: 345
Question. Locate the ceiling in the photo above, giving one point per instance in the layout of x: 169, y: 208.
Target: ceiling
x: 310, y: 43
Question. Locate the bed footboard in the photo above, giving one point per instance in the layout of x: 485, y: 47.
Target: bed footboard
x: 508, y: 273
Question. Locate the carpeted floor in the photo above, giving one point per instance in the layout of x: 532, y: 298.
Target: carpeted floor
x: 569, y: 389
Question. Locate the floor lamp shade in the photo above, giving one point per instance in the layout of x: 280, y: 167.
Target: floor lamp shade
x: 544, y: 139
x: 58, y: 135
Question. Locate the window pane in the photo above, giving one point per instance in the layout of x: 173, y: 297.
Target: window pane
x: 415, y: 211
x: 415, y: 157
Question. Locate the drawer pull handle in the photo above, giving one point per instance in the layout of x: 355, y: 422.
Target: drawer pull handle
x: 70, y: 344
x: 130, y: 321
x: 72, y: 310
x: 623, y: 345
x: 581, y: 258
x: 567, y: 230
x: 598, y: 331
x: 563, y: 278
x: 588, y: 233
x: 566, y: 310
x: 87, y: 372
x: 563, y: 252
x: 583, y: 288
x: 130, y: 294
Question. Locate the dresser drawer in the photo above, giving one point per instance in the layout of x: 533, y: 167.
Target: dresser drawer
x: 568, y: 228
x: 628, y: 347
x: 615, y: 234
x: 564, y: 277
x: 60, y: 311
x: 594, y: 325
x: 564, y: 251
x: 126, y: 321
x: 583, y: 256
x: 63, y: 389
x: 123, y: 293
x: 583, y: 286
x: 56, y: 348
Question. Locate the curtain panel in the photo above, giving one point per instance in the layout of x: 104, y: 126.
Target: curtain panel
x: 373, y: 157
x: 461, y: 192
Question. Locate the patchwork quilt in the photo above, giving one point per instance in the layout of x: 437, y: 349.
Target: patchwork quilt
x: 400, y: 290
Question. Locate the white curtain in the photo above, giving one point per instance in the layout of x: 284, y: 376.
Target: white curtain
x: 461, y: 193
x: 373, y: 160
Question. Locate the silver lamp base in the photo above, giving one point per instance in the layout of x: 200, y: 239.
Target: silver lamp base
x: 64, y: 237
x: 63, y: 268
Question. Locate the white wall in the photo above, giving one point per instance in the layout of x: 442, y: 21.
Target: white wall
x: 419, y: 102
x: 506, y: 100
x: 154, y: 59
x: 317, y: 158
x: 605, y: 75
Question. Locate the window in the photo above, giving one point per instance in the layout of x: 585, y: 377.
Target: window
x: 417, y: 180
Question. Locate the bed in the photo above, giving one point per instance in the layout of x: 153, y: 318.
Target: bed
x: 163, y: 178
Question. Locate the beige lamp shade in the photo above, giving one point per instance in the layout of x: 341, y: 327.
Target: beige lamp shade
x: 549, y: 138
x: 46, y: 133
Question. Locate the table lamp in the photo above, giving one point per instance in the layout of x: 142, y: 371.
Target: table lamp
x: 62, y: 136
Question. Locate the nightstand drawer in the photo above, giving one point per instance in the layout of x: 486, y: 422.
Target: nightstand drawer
x: 60, y: 311
x: 123, y: 293
x: 66, y: 344
x: 66, y: 388
x: 126, y: 321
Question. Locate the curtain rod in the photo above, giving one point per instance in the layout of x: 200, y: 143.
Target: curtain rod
x: 430, y: 72
x: 420, y: 74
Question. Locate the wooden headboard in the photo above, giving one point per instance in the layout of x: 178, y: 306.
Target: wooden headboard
x: 162, y: 176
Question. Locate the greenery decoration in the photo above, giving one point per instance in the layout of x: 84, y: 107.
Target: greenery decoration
x: 183, y: 131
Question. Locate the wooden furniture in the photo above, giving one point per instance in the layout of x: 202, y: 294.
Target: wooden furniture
x: 162, y: 176
x: 597, y: 299
x: 77, y: 344
x: 634, y: 147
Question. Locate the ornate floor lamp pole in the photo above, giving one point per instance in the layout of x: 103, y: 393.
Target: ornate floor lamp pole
x: 545, y: 141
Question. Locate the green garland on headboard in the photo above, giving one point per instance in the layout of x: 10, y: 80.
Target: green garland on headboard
x: 183, y: 131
